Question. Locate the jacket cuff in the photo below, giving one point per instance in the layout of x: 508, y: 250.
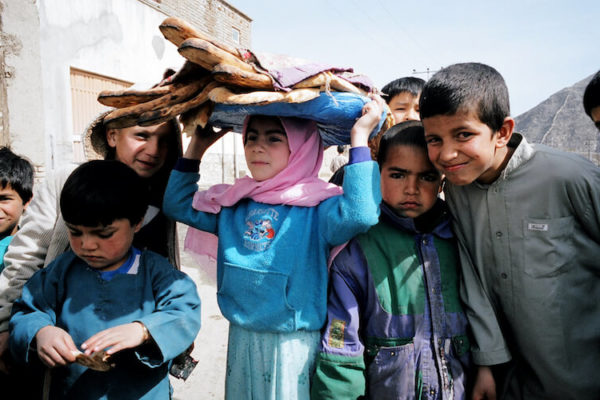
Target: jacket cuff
x: 187, y: 165
x: 359, y: 154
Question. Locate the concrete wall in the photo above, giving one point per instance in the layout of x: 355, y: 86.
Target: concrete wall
x: 21, y: 80
x: 43, y: 39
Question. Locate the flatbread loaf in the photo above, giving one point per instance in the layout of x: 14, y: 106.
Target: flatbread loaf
x: 127, y: 97
x: 177, y: 31
x: 235, y: 76
x: 224, y: 95
x: 207, y: 55
x: 98, y: 361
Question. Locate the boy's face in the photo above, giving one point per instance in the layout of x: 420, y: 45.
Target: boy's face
x: 11, y: 208
x: 105, y: 248
x: 143, y: 148
x: 409, y: 182
x: 404, y: 107
x: 266, y: 148
x: 465, y: 149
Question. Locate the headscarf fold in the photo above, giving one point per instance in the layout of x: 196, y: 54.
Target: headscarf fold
x: 298, y: 184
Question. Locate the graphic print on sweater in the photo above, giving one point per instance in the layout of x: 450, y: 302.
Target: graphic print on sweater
x: 260, y: 230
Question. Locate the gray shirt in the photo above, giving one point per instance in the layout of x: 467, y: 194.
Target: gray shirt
x: 530, y: 255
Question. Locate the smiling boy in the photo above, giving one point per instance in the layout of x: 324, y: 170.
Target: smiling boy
x: 528, y: 221
x: 16, y: 190
x: 105, y: 295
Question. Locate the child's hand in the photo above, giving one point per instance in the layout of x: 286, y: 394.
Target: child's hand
x: 55, y: 346
x: 371, y: 115
x: 485, y: 386
x: 126, y: 336
x: 202, y: 140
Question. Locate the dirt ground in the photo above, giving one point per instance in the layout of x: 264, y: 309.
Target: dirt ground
x: 207, y: 381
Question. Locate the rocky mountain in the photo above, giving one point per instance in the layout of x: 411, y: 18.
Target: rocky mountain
x: 560, y: 122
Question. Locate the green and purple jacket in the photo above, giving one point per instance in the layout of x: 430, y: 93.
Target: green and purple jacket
x: 395, y: 326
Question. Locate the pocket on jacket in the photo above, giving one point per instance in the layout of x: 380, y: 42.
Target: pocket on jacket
x: 392, y: 371
x: 256, y: 299
x: 547, y: 246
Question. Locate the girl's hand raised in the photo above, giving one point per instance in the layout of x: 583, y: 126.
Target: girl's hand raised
x: 371, y: 115
x: 202, y: 140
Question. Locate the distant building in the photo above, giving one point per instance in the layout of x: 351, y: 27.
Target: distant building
x: 56, y: 55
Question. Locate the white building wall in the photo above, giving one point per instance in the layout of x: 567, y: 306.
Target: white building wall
x: 116, y: 38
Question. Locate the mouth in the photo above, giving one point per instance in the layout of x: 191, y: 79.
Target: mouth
x: 148, y: 164
x: 453, y: 167
x: 409, y: 205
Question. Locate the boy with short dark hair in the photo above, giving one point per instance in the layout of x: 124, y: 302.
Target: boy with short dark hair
x: 395, y: 326
x: 591, y: 99
x: 16, y: 190
x: 118, y: 304
x: 402, y: 96
x: 528, y: 222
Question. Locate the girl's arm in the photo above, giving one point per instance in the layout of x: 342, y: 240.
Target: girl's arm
x: 183, y: 183
x: 358, y: 208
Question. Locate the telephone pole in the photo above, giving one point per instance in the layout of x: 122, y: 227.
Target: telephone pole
x: 427, y: 71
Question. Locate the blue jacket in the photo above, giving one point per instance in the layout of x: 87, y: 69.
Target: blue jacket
x: 72, y: 296
x: 272, y: 259
x: 395, y: 327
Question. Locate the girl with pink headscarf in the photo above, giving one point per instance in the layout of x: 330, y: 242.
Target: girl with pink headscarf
x: 275, y: 231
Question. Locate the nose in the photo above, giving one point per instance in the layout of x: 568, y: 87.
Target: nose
x: 88, y: 242
x: 152, y: 147
x: 447, y: 152
x: 411, y: 185
x: 412, y: 115
x: 257, y: 145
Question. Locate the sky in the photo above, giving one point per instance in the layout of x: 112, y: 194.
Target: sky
x: 539, y: 47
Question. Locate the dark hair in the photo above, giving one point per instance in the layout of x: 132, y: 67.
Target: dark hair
x: 469, y: 86
x: 340, y: 148
x: 408, y: 84
x: 17, y: 172
x: 591, y: 96
x: 102, y: 191
x: 407, y: 133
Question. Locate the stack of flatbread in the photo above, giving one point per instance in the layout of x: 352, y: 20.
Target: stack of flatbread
x: 214, y: 73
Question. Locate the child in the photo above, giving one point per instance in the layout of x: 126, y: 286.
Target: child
x: 104, y: 294
x: 395, y: 326
x: 591, y: 99
x: 275, y: 232
x: 528, y: 222
x: 16, y: 189
x: 402, y: 96
x: 151, y: 151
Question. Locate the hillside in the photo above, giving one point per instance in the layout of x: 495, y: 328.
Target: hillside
x: 559, y: 121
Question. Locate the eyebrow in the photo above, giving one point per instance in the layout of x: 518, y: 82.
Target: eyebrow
x: 93, y: 230
x: 275, y: 131
x: 408, y: 171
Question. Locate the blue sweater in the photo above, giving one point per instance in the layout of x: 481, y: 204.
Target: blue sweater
x: 70, y: 295
x: 272, y: 259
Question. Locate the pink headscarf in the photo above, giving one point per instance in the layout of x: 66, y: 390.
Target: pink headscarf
x: 298, y: 184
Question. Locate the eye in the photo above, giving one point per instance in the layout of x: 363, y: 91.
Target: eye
x: 430, y: 177
x: 106, y: 235
x: 464, y: 135
x: 397, y: 175
x: 250, y: 137
x: 431, y: 140
x: 75, y: 233
x: 275, y: 138
x: 142, y: 135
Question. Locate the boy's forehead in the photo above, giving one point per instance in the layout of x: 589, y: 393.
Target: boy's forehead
x: 409, y: 158
x: 7, y: 190
x: 460, y: 119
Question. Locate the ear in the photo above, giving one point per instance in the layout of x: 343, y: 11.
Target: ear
x: 111, y: 137
x: 26, y: 204
x: 138, y: 226
x: 505, y: 132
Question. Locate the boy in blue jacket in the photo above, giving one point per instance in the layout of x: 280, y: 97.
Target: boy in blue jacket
x: 395, y: 326
x: 105, y: 295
